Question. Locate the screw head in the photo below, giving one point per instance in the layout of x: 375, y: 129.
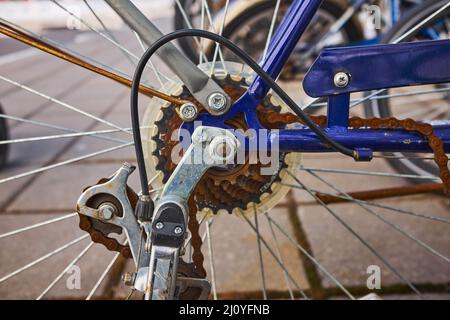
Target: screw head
x: 188, y: 112
x: 159, y: 225
x: 341, y: 79
x: 178, y: 230
x: 217, y: 101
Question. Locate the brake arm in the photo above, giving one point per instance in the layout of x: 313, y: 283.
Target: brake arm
x: 171, y: 211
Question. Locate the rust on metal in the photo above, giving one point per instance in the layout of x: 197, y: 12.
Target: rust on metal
x: 421, y: 188
x: 57, y: 52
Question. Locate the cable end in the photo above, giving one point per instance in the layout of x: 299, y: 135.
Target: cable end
x: 362, y: 154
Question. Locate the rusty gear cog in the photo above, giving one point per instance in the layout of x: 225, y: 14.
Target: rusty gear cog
x: 229, y: 188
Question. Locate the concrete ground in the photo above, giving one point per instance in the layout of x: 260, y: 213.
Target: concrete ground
x: 53, y: 193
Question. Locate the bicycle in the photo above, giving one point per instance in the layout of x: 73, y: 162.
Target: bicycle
x: 227, y: 95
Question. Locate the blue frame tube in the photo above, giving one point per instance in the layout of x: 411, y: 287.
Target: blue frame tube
x: 283, y: 42
x: 303, y: 140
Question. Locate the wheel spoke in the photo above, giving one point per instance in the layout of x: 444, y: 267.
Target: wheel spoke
x: 370, y: 173
x: 101, y: 34
x: 52, y: 126
x: 109, y: 33
x: 280, y: 263
x: 373, y: 204
x: 62, y: 104
x: 213, y: 29
x: 280, y: 256
x: 216, y: 50
x: 211, y: 261
x: 271, y: 29
x: 43, y: 258
x: 37, y: 225
x: 63, y: 47
x: 189, y: 25
x: 357, y: 236
x: 64, y: 136
x: 388, y: 96
x: 380, y: 217
x: 59, y: 164
x: 261, y: 262
x: 310, y: 257
x: 398, y: 40
x: 103, y: 276
x: 70, y: 265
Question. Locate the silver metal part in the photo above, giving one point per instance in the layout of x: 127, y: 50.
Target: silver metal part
x: 116, y: 187
x: 107, y: 210
x: 217, y: 101
x: 129, y: 278
x: 201, y: 155
x: 161, y: 275
x: 188, y: 112
x: 178, y: 230
x: 182, y: 283
x: 341, y: 79
x: 198, y: 83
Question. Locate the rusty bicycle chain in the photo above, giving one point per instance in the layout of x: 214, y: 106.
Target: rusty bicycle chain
x: 273, y: 118
x: 410, y: 125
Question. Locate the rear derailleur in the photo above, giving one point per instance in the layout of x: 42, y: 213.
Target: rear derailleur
x: 156, y: 233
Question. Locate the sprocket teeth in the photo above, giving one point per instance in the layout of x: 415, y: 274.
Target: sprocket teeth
x: 216, y: 191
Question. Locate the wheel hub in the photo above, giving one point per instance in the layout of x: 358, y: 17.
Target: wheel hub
x: 230, y: 188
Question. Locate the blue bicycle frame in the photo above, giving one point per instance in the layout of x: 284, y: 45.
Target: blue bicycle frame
x: 418, y: 67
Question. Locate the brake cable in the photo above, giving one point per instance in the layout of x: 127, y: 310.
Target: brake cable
x: 249, y: 61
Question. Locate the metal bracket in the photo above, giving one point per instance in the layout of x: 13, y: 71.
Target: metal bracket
x: 210, y: 147
x: 116, y: 187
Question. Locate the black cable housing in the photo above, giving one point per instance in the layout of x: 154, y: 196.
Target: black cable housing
x: 247, y: 60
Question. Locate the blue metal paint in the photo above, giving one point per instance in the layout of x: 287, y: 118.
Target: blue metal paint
x: 338, y: 112
x: 380, y: 66
x: 303, y: 140
x: 371, y: 68
x: 283, y: 42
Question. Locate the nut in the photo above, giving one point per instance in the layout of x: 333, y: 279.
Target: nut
x: 128, y: 278
x: 107, y: 211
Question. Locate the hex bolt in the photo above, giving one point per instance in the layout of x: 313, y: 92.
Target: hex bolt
x: 107, y: 211
x: 341, y: 79
x: 188, y: 112
x: 178, y: 230
x: 217, y: 101
x: 159, y: 225
x: 128, y: 278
